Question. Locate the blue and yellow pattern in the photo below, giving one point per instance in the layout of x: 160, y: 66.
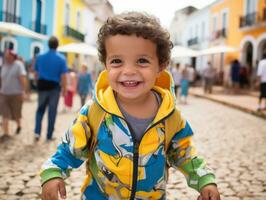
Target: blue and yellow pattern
x: 110, y: 167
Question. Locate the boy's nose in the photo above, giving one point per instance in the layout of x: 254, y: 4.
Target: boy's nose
x: 129, y: 69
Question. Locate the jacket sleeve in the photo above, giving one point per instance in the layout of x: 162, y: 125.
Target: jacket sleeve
x: 182, y: 156
x: 72, y: 151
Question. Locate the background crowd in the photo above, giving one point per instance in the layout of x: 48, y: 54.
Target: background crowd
x: 47, y: 75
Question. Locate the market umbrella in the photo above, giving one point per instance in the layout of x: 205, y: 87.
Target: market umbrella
x: 16, y: 29
x: 218, y: 49
x: 79, y: 48
x: 181, y: 51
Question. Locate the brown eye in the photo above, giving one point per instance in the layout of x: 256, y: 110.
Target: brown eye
x: 116, y: 61
x: 143, y: 61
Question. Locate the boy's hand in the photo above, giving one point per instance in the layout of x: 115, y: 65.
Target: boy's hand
x: 209, y: 192
x: 51, y: 188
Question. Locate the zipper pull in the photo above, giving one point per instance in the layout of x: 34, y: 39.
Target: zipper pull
x: 136, y: 147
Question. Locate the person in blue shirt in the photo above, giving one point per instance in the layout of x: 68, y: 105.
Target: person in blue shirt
x: 85, y: 84
x: 50, y: 69
x: 235, y: 69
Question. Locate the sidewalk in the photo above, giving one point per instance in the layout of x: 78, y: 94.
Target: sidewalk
x: 246, y: 101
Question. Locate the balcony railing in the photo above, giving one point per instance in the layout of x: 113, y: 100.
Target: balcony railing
x: 192, y: 41
x: 9, y: 17
x: 74, y: 33
x: 38, y: 27
x: 219, y: 34
x: 248, y: 20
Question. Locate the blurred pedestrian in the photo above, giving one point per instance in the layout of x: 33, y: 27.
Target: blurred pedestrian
x: 176, y: 77
x: 71, y: 87
x: 32, y: 78
x: 191, y: 74
x: 1, y: 63
x: 243, y: 76
x: 13, y: 91
x: 51, y: 71
x: 261, y: 73
x: 85, y: 84
x: 208, y: 75
x: 235, y: 69
x: 184, y: 84
x: 75, y: 64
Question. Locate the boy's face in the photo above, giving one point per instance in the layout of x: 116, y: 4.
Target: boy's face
x: 132, y: 65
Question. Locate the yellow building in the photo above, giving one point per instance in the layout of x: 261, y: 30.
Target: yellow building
x: 69, y: 26
x: 240, y: 24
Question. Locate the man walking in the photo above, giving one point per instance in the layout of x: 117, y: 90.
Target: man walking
x: 51, y: 71
x: 208, y: 77
x: 261, y: 73
x: 13, y: 76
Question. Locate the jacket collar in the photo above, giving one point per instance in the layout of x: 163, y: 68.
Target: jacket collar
x: 104, y: 95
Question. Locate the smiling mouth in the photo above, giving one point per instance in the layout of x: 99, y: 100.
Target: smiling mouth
x: 130, y: 83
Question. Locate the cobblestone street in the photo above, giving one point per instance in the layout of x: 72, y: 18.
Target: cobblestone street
x: 232, y: 142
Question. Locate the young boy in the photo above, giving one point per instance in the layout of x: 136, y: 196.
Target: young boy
x: 128, y: 159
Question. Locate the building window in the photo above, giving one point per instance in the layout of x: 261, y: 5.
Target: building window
x: 250, y: 6
x: 203, y: 31
x: 11, y: 6
x: 196, y: 31
x: 10, y: 11
x: 78, y: 23
x: 36, y: 49
x: 8, y: 43
x: 214, y: 24
x: 224, y: 20
x: 67, y: 13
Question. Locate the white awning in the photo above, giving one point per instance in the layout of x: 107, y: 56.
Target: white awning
x: 79, y: 48
x: 181, y: 51
x: 218, y: 49
x: 16, y: 29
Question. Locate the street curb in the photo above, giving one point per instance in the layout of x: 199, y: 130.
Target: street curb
x: 244, y: 109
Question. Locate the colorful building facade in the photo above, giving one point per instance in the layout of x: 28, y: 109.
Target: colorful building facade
x: 72, y: 21
x: 240, y: 24
x: 69, y: 24
x: 78, y: 21
x: 36, y: 15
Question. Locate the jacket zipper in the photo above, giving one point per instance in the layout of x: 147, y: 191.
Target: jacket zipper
x: 136, y: 155
x: 135, y: 169
x: 136, y: 152
x: 135, y: 161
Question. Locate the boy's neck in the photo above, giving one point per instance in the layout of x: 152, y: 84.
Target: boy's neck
x: 140, y: 108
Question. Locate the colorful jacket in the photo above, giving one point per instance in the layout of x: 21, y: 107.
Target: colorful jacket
x: 118, y: 166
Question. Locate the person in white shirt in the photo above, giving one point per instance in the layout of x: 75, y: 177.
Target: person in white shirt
x: 191, y: 74
x: 261, y: 73
x: 176, y: 77
x: 208, y: 76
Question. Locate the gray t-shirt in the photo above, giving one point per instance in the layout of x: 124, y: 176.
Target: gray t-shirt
x: 10, y: 78
x: 139, y: 125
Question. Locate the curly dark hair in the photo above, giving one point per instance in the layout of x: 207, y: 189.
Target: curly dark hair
x: 139, y: 24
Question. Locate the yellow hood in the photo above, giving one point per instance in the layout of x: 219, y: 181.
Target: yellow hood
x: 164, y: 85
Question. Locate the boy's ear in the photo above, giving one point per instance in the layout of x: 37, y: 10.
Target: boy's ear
x: 163, y: 67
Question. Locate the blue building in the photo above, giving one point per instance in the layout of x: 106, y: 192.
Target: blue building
x: 36, y: 15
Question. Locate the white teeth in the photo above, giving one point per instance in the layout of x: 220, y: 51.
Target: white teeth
x: 130, y: 82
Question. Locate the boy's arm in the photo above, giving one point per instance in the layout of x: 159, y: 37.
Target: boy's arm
x: 182, y: 156
x: 71, y: 153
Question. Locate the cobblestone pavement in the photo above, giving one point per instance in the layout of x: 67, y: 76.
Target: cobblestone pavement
x: 233, y: 143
